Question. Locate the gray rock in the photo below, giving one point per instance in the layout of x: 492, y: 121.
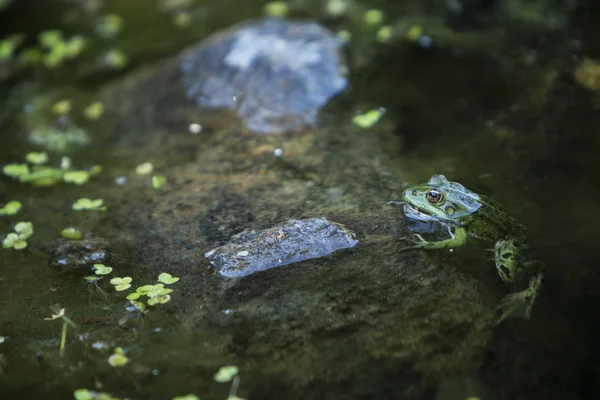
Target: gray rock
x: 276, y: 73
x: 283, y: 244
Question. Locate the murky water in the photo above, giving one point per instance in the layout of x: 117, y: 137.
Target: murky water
x: 496, y: 107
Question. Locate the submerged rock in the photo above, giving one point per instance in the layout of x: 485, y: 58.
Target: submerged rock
x: 276, y: 73
x: 286, y: 243
x: 69, y: 255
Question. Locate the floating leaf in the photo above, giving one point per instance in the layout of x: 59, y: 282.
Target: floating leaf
x: 15, y: 170
x: 62, y: 107
x: 94, y: 111
x: 24, y: 229
x: 71, y: 233
x: 144, y: 168
x: 37, y: 158
x: 276, y: 9
x: 158, y: 181
x: 20, y: 244
x: 84, y: 394
x: 101, y: 269
x: 115, y: 58
x: 87, y: 204
x: 373, y: 17
x: 226, y: 373
x: 118, y: 359
x: 159, y: 300
x: 167, y: 278
x: 50, y: 38
x: 10, y: 208
x: 369, y: 118
x: 187, y: 397
x: 76, y: 177
x: 133, y: 296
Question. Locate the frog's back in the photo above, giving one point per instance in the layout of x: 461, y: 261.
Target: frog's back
x: 492, y: 222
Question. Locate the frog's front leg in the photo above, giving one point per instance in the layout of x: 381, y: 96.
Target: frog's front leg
x: 458, y: 238
x: 509, y: 263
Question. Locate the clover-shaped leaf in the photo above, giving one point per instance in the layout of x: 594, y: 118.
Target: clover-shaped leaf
x: 167, y: 278
x: 121, y: 284
x: 9, y: 240
x: 87, y: 204
x: 13, y: 240
x: 118, y: 359
x: 136, y: 306
x: 24, y: 229
x: 101, y: 269
x: 162, y: 299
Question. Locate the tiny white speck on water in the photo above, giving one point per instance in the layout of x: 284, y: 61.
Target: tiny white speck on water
x: 195, y: 128
x: 278, y: 152
x: 120, y: 180
x: 243, y: 253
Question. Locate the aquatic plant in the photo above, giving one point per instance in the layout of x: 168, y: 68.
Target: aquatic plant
x: 167, y: 279
x: 369, y: 118
x: 101, y: 269
x: 144, y: 168
x: 158, y: 181
x: 40, y: 175
x: 94, y: 111
x: 186, y: 397
x: 71, y: 234
x: 37, y: 158
x: 86, y: 394
x: 109, y: 26
x: 88, y: 204
x: 118, y: 358
x: 18, y: 239
x: 115, y: 59
x: 62, y: 107
x: 76, y: 177
x: 121, y: 284
x: 93, y: 287
x: 11, y: 208
x: 229, y: 373
x: 276, y: 9
x: 59, y: 313
x: 15, y: 170
x: 373, y: 17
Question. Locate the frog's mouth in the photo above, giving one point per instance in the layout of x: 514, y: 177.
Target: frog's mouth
x: 415, y: 213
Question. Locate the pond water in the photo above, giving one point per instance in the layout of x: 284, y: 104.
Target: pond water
x: 501, y: 96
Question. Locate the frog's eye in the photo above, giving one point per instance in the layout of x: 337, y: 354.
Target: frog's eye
x: 434, y: 196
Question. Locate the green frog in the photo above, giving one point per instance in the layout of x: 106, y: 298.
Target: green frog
x: 450, y: 206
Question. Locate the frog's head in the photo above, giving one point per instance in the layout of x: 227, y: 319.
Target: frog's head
x: 440, y: 200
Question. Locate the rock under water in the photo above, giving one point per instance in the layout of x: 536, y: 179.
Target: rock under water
x: 276, y: 73
x: 282, y: 244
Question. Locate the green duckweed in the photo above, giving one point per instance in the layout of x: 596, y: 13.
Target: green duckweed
x: 11, y: 208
